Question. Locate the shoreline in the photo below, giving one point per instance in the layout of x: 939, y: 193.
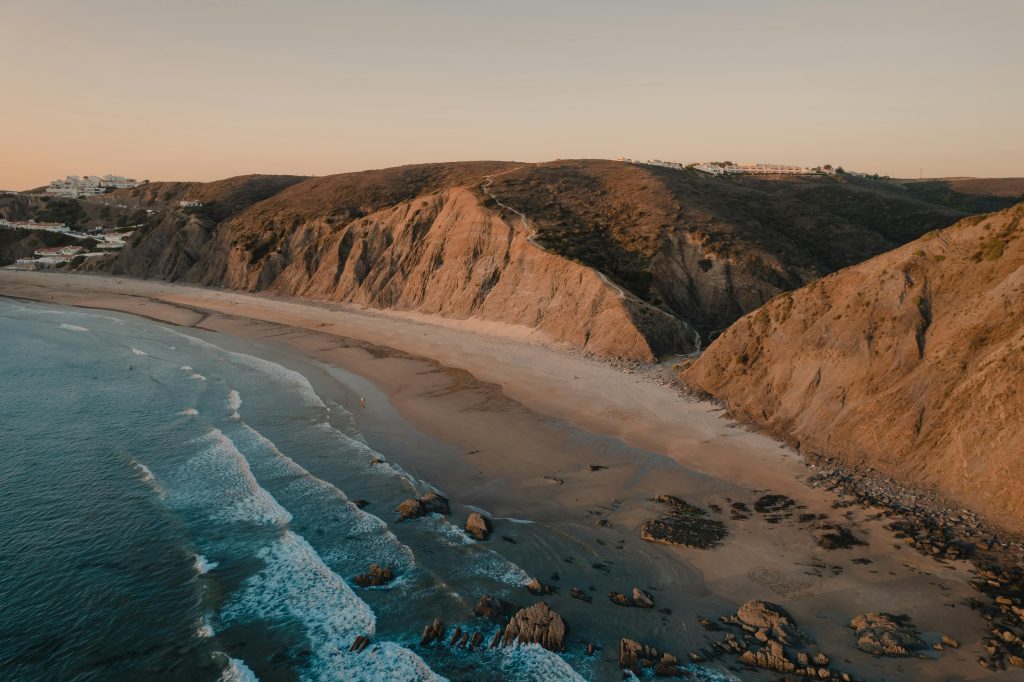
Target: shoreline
x: 497, y: 432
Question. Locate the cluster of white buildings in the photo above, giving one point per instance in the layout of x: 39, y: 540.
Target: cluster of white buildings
x: 106, y: 242
x: 190, y: 203
x: 74, y: 186
x: 719, y: 168
x: 33, y: 225
x: 729, y: 168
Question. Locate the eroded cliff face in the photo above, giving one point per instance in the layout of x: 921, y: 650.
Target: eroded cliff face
x: 438, y: 254
x: 443, y: 254
x: 912, y: 362
x: 625, y: 260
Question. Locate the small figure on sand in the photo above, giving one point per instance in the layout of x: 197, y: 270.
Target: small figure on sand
x: 362, y: 402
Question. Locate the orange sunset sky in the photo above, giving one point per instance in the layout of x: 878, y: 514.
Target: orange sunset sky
x: 190, y: 90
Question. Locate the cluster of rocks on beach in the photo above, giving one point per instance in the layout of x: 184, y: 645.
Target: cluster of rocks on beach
x: 762, y: 635
x: 925, y: 522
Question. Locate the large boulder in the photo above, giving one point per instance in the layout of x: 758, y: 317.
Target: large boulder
x: 377, y: 576
x: 769, y: 616
x: 883, y: 634
x: 537, y: 624
x: 493, y: 608
x: 479, y: 526
x: 435, y: 504
x: 431, y: 503
x: 410, y: 509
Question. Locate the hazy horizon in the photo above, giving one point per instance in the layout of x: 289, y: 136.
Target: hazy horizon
x: 195, y: 91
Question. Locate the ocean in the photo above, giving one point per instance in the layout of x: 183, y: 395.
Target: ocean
x: 176, y: 510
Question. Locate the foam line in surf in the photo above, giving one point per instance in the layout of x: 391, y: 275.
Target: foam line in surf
x: 363, y: 534
x: 282, y: 374
x: 236, y: 670
x: 234, y: 402
x: 73, y: 327
x: 204, y: 565
x: 296, y: 585
x: 136, y: 351
x: 272, y: 369
x: 146, y: 476
x: 479, y: 560
x: 220, y: 482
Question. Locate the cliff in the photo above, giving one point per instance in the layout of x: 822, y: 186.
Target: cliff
x: 617, y: 259
x: 911, y: 362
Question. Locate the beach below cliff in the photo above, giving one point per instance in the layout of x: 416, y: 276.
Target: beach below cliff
x: 501, y: 420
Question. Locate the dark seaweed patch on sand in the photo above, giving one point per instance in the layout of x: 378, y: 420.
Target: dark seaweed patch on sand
x: 685, y: 525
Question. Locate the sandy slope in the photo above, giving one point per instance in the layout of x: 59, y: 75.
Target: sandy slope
x: 912, y: 362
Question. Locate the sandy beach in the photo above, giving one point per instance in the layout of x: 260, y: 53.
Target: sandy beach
x: 499, y: 419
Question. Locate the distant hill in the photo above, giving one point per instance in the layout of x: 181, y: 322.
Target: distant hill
x: 629, y: 261
x: 911, y: 362
x: 710, y: 249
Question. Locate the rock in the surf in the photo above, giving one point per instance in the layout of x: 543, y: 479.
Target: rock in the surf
x: 493, y: 608
x: 377, y: 576
x: 537, y: 624
x: 435, y: 504
x: 434, y: 632
x: 479, y: 526
x: 431, y: 503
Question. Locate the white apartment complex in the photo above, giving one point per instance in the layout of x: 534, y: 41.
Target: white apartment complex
x: 729, y: 168
x: 33, y: 225
x: 74, y: 186
x: 717, y: 168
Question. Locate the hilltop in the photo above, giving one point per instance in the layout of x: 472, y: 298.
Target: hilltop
x: 621, y: 260
x: 911, y: 363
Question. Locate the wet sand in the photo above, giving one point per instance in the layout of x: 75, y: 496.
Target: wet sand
x: 493, y: 420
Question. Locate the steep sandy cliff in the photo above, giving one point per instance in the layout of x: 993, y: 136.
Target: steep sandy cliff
x: 711, y: 249
x: 628, y: 261
x: 911, y: 362
x: 412, y: 239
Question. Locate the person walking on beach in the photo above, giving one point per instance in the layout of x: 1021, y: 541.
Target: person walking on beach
x: 362, y: 402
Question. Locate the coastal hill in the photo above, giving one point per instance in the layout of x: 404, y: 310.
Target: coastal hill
x: 622, y: 260
x: 911, y: 362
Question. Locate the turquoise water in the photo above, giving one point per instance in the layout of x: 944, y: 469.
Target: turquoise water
x: 157, y: 523
x: 175, y: 510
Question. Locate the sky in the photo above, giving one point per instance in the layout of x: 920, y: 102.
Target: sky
x: 200, y: 90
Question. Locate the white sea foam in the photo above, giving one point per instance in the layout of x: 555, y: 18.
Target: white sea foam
x: 479, y: 560
x: 73, y: 327
x: 204, y: 566
x: 147, y: 477
x: 272, y: 369
x: 237, y: 671
x: 186, y: 368
x: 189, y: 412
x: 204, y: 631
x: 136, y: 351
x: 197, y: 376
x: 234, y: 402
x: 360, y: 534
x: 296, y: 585
x: 219, y: 482
x: 513, y: 520
x: 533, y: 663
x: 282, y: 374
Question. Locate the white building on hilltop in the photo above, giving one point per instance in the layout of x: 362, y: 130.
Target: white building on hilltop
x: 74, y: 186
x: 727, y: 168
